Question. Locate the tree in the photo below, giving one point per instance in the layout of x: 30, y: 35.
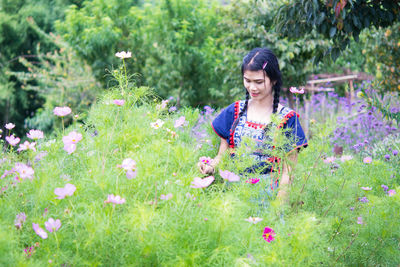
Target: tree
x: 337, y: 20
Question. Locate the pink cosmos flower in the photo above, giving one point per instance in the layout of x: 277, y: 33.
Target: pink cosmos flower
x: 360, y: 220
x: 344, y: 158
x: 329, y: 159
x: 253, y: 180
x: 71, y: 140
x: 294, y: 90
x: 391, y: 192
x: 114, y: 199
x: 119, y: 102
x: 205, y: 160
x: 19, y: 220
x: 10, y: 126
x: 73, y: 137
x: 62, y: 111
x: 67, y: 190
x: 131, y: 174
x: 123, y: 54
x: 269, y: 234
x: 39, y: 231
x: 24, y: 171
x: 166, y: 197
x: 202, y: 183
x: 35, y: 134
x: 180, y: 122
x: 70, y: 148
x: 229, y: 176
x: 26, y: 145
x: 366, y: 188
x: 163, y: 104
x: 52, y: 225
x: 367, y: 160
x: 253, y: 220
x: 128, y: 164
x: 156, y: 125
x: 12, y: 140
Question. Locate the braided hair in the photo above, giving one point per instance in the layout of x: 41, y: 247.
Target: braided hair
x: 262, y: 59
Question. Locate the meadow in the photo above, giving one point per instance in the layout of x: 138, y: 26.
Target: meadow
x: 121, y: 188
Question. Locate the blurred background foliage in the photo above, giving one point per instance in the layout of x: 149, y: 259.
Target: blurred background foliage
x: 56, y: 53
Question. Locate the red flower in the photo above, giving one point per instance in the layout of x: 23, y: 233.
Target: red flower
x: 269, y: 234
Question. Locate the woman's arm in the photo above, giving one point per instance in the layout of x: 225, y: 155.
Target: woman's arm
x: 209, y: 169
x: 285, y: 181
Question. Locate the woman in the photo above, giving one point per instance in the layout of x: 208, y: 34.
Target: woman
x: 253, y: 118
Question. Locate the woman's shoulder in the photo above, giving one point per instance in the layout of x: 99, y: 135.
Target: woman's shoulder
x: 285, y: 111
x: 234, y: 107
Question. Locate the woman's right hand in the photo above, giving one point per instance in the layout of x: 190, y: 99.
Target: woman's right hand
x: 205, y: 168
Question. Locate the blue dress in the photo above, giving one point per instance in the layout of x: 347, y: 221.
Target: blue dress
x: 223, y: 127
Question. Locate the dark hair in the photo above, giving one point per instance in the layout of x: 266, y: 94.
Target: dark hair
x: 262, y: 59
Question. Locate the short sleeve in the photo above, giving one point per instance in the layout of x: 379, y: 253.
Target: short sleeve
x: 295, y: 134
x: 223, y: 122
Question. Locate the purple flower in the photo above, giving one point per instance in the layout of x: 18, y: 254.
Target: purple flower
x: 39, y: 231
x: 391, y: 192
x: 385, y: 187
x: 67, y: 190
x: 19, y: 220
x: 387, y: 156
x: 363, y: 199
x: 395, y: 152
x: 360, y: 220
x: 352, y: 208
x: 52, y: 225
x: 172, y: 109
x: 229, y: 176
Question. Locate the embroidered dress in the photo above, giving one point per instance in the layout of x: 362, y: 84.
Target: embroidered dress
x: 264, y: 162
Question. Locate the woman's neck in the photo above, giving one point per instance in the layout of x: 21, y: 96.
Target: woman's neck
x: 263, y: 106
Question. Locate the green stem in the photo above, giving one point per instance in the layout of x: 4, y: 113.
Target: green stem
x: 69, y: 200
x: 126, y: 78
x: 55, y: 235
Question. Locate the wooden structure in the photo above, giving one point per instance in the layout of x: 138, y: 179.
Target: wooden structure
x: 312, y: 86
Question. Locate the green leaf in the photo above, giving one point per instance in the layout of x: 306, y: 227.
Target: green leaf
x: 332, y: 31
x: 321, y: 18
x: 335, y: 53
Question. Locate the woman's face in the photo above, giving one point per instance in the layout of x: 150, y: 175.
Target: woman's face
x: 257, y: 84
